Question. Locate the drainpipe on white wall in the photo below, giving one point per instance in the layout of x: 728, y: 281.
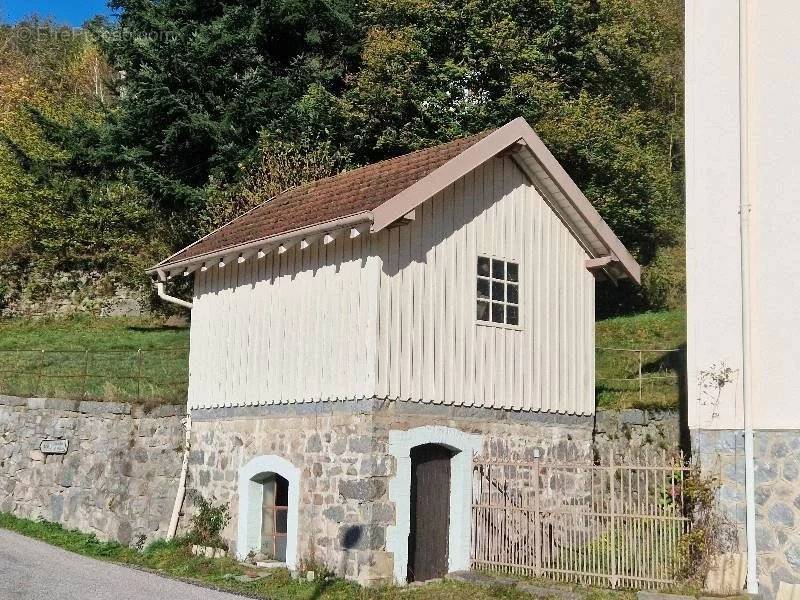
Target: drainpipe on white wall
x: 179, y: 497
x: 166, y: 297
x: 745, y: 209
x: 176, y: 508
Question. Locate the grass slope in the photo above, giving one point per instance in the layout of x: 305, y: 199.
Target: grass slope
x: 662, y: 338
x: 110, y: 359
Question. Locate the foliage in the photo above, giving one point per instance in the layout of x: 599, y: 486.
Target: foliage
x: 203, y: 79
x: 664, y: 279
x: 63, y: 206
x: 712, y: 533
x: 128, y: 140
x: 208, y: 521
x: 282, y: 165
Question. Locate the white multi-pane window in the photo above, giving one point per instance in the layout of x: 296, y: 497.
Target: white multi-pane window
x: 498, y: 291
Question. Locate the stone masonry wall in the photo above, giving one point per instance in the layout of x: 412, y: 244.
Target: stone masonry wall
x: 633, y: 430
x: 341, y: 449
x: 118, y: 478
x: 777, y: 477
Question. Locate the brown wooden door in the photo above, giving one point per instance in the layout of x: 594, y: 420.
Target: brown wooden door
x: 430, y: 512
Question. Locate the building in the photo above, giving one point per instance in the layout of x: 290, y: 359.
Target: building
x: 357, y: 340
x: 743, y: 279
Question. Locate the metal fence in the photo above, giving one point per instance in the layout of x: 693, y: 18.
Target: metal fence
x: 638, y: 376
x: 606, y: 524
x: 141, y: 375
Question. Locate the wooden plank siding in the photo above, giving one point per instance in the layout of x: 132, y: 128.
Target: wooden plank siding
x: 393, y: 315
x: 431, y: 348
x: 286, y: 328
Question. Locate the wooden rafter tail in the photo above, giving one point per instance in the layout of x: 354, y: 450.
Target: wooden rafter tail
x: 306, y: 242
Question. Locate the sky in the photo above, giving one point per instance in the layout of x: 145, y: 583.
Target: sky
x: 69, y: 12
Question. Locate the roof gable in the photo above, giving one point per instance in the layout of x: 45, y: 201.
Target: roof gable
x: 384, y: 192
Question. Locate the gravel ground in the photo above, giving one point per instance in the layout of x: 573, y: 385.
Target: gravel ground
x: 33, y: 570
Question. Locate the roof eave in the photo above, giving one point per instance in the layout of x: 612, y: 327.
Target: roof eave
x: 364, y: 217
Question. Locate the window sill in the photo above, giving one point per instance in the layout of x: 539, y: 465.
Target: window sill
x: 499, y: 325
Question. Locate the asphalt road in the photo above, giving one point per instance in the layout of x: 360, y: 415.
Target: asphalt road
x: 33, y: 570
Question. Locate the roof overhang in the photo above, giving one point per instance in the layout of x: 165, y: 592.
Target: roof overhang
x: 516, y: 140
x: 557, y: 188
x: 351, y: 225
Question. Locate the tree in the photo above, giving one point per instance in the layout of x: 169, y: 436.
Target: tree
x: 203, y: 79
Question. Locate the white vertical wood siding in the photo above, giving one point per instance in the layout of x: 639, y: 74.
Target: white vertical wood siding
x: 393, y: 315
x: 286, y: 328
x: 430, y: 346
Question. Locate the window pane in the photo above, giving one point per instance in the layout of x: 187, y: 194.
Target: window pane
x: 281, y: 521
x: 483, y: 288
x: 512, y: 293
x: 269, y: 492
x: 282, y: 491
x: 497, y: 312
x: 512, y: 315
x: 483, y: 266
x: 267, y: 522
x: 498, y: 269
x: 512, y: 271
x: 498, y: 290
x: 280, y: 549
x: 268, y: 547
x: 483, y: 310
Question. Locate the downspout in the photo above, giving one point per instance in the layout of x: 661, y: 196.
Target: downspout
x: 166, y: 297
x: 181, y: 494
x: 179, y: 497
x: 745, y: 209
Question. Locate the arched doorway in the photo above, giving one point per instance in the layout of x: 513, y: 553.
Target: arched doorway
x: 269, y: 493
x: 429, y: 533
x: 462, y: 447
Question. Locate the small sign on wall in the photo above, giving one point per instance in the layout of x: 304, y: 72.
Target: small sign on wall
x: 54, y: 446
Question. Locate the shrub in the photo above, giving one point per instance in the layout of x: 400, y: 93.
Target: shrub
x: 664, y: 279
x: 208, y: 522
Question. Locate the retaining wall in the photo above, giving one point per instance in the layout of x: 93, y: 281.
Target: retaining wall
x: 118, y: 477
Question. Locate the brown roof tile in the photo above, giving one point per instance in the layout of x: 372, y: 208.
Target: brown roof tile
x: 348, y: 193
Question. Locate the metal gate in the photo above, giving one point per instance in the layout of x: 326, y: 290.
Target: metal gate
x: 616, y: 523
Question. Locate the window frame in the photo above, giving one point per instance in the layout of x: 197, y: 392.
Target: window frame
x: 490, y: 279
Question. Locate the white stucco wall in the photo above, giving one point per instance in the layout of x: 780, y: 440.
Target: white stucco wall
x: 712, y: 199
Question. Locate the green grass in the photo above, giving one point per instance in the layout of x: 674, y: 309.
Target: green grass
x: 651, y: 331
x: 129, y: 359
x: 174, y: 559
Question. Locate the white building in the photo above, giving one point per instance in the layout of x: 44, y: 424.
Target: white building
x: 357, y: 336
x: 743, y: 237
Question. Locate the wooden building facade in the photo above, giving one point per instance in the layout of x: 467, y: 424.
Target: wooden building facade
x: 451, y: 288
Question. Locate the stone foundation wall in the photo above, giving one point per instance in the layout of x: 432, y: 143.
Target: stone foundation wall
x: 118, y: 478
x: 632, y: 430
x: 342, y: 451
x: 777, y: 476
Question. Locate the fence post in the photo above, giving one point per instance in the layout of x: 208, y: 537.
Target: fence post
x: 139, y: 374
x: 612, y: 473
x: 640, y: 377
x: 41, y: 374
x: 85, y: 373
x: 537, y: 525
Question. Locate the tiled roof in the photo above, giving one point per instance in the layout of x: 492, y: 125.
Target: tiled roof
x: 342, y: 195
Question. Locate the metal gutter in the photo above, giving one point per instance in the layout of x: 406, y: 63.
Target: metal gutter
x: 745, y: 209
x: 318, y: 228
